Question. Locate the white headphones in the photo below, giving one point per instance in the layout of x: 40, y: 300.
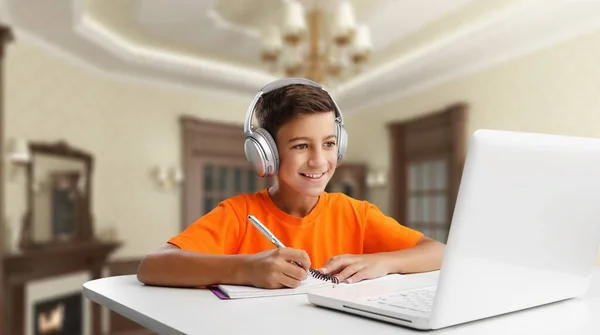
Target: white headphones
x: 259, y: 145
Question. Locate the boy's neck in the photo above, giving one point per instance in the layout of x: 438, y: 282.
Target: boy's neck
x: 291, y: 202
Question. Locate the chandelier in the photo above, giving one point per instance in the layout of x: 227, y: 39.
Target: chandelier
x: 316, y: 43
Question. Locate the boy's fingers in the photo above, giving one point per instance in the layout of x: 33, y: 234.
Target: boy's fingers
x: 288, y: 281
x: 299, y: 256
x: 336, y: 264
x: 355, y: 278
x: 294, y: 271
x: 349, y: 271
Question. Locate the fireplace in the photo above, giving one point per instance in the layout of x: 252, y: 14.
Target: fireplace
x: 61, y: 315
x: 29, y: 271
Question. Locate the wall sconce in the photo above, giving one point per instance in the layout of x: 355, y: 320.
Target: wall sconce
x: 376, y: 179
x: 17, y: 155
x: 18, y: 152
x: 168, y: 178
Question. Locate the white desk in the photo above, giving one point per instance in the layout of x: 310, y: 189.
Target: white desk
x: 195, y: 311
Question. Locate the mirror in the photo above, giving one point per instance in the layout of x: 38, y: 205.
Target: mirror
x: 58, y: 196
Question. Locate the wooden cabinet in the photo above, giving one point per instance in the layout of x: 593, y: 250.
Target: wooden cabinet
x: 350, y: 179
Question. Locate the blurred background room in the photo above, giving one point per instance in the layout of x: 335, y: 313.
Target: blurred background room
x: 121, y: 120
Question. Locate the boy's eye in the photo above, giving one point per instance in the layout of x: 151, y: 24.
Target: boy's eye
x: 330, y: 144
x: 300, y: 146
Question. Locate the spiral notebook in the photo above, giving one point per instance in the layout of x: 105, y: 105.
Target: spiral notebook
x: 314, y: 281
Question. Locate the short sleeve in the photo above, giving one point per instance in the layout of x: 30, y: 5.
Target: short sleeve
x: 216, y: 232
x: 383, y: 233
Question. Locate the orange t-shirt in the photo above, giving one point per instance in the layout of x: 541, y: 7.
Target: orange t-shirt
x: 337, y: 225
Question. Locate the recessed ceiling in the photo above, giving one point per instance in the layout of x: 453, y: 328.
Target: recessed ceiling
x: 215, y: 44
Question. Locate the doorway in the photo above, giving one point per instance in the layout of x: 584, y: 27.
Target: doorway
x: 215, y: 166
x: 427, y: 157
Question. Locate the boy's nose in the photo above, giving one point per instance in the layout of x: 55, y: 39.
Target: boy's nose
x: 317, y: 159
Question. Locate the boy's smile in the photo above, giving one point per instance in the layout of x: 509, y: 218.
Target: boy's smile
x: 314, y: 176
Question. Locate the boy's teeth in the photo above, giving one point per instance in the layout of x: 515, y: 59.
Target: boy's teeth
x: 314, y: 176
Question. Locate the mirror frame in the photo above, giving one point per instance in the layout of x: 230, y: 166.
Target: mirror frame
x: 84, y: 230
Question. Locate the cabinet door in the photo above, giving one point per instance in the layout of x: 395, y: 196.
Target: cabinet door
x: 349, y: 178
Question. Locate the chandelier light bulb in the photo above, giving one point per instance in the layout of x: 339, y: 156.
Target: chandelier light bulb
x: 271, y: 44
x: 344, y: 24
x: 302, y: 46
x: 294, y: 22
x: 361, y: 45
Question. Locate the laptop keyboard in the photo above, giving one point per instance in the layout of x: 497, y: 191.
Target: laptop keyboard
x: 419, y: 300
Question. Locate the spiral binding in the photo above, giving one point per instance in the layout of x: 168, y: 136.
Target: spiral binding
x: 323, y: 276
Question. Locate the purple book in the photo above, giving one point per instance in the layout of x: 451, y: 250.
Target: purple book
x: 218, y: 292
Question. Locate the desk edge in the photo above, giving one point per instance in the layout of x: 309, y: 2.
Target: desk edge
x: 128, y: 312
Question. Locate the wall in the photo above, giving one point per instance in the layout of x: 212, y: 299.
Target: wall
x: 555, y: 90
x: 131, y: 127
x: 128, y: 127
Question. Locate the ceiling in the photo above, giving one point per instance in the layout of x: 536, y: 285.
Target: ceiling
x: 215, y: 44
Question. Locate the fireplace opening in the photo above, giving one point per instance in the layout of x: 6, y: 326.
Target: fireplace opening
x: 61, y: 315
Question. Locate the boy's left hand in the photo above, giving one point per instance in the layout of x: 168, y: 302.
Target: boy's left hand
x: 354, y: 268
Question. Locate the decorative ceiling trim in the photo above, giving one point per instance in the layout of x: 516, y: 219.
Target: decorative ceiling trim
x: 239, y: 78
x: 25, y: 35
x: 220, y: 22
x: 527, y: 28
x: 408, y: 74
x: 374, y: 76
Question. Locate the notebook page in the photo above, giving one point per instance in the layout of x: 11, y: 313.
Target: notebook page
x: 236, y: 291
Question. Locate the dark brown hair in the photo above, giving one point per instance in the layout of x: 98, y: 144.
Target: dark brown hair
x: 276, y: 108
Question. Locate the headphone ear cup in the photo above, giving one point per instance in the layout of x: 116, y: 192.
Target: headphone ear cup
x: 271, y: 152
x: 342, y: 142
x: 261, y: 153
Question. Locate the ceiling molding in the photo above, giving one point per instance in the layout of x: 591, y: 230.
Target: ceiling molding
x: 123, y: 72
x: 220, y: 22
x: 65, y: 28
x: 412, y: 59
x: 511, y: 34
x: 424, y: 13
x: 240, y: 78
x: 24, y: 35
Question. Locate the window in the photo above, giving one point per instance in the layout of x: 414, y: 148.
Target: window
x: 427, y: 159
x: 428, y: 197
x: 224, y: 178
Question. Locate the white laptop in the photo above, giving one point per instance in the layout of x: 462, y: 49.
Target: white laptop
x: 525, y: 232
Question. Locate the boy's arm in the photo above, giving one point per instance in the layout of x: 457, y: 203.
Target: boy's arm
x: 186, y: 262
x: 423, y: 257
x: 171, y: 266
x: 388, y: 247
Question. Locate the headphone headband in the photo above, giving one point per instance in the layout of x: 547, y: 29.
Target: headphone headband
x: 279, y: 84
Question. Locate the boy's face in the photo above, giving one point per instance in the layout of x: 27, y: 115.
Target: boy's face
x: 307, y: 153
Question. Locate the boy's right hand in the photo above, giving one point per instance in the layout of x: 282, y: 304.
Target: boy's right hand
x: 274, y: 268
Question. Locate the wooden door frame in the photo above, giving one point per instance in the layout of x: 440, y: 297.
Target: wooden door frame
x: 210, y: 139
x: 6, y: 36
x: 453, y: 117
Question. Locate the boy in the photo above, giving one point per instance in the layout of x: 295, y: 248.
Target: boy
x: 350, y: 239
